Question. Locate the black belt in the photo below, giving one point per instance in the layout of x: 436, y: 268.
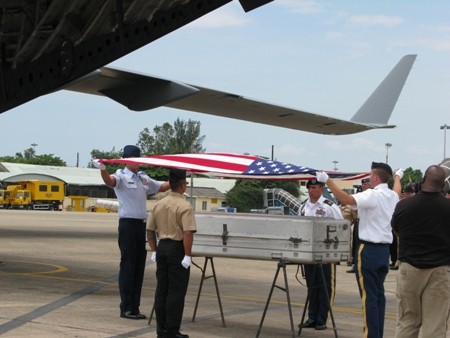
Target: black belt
x: 135, y: 219
x: 372, y: 243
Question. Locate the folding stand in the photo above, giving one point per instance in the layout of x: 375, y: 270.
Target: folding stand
x: 201, y: 286
x: 203, y: 278
x: 320, y: 266
x: 281, y: 265
x: 151, y: 314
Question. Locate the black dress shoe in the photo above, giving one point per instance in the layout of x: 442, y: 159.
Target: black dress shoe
x: 320, y: 327
x: 129, y: 315
x: 308, y: 324
x: 141, y: 316
x: 161, y: 333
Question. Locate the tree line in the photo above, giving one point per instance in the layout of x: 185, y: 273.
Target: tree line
x: 179, y: 138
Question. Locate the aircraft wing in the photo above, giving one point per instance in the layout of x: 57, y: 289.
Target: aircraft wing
x: 140, y: 92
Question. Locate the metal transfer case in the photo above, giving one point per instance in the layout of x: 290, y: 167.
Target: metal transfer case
x: 296, y: 239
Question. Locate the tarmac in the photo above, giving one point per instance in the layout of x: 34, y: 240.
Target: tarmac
x: 58, y: 278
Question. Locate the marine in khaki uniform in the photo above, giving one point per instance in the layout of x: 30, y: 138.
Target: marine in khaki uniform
x: 172, y: 222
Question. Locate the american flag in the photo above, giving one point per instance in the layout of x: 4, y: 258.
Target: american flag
x: 234, y: 166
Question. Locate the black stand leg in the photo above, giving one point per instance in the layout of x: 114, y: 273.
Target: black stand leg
x: 304, y: 313
x: 281, y: 265
x: 322, y: 275
x: 328, y: 298
x: 151, y: 314
x: 204, y: 277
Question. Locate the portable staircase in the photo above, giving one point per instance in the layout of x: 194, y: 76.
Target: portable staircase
x: 281, y: 198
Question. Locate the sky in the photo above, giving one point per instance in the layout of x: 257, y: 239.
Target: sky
x: 323, y: 57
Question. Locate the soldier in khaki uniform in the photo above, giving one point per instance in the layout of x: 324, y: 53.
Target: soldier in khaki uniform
x: 172, y: 221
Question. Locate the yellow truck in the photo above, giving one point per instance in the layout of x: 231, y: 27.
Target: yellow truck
x: 5, y: 198
x: 7, y: 195
x: 34, y: 195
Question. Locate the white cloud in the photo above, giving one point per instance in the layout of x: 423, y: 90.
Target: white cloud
x: 301, y: 6
x: 289, y: 149
x: 223, y: 17
x: 376, y: 20
x: 353, y: 144
x: 443, y: 28
x: 436, y: 44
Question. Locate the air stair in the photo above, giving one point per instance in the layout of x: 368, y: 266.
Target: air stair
x: 280, y: 198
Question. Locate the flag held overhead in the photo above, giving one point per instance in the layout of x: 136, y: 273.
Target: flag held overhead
x: 236, y: 166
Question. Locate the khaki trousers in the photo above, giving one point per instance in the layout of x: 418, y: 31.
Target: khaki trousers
x: 423, y: 301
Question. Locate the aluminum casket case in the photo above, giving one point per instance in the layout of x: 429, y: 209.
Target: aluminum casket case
x: 272, y: 237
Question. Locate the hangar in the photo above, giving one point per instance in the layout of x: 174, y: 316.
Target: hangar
x: 207, y: 194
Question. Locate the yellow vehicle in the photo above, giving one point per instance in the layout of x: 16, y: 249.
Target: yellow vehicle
x: 7, y: 195
x: 36, y: 195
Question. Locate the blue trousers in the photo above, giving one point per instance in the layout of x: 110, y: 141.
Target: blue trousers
x: 319, y: 301
x: 372, y: 268
x: 133, y: 255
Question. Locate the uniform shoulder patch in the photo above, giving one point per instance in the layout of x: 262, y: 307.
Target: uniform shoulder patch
x: 330, y: 203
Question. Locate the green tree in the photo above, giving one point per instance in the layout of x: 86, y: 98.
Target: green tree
x: 410, y: 175
x: 187, y: 137
x: 29, y: 153
x: 182, y: 137
x: 47, y: 159
x: 100, y: 154
x: 44, y: 159
x: 248, y: 194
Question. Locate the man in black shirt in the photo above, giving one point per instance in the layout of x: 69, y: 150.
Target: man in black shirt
x: 422, y: 223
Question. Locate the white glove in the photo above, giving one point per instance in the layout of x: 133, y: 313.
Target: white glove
x: 153, y: 258
x: 97, y: 164
x: 186, y: 262
x: 322, y: 176
x: 399, y: 173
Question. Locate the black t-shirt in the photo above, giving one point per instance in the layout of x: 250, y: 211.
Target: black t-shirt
x: 423, y: 224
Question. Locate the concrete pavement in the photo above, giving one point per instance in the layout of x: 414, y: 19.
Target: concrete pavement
x: 59, y: 279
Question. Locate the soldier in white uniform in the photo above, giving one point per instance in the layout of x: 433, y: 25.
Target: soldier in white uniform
x: 320, y: 296
x: 375, y: 207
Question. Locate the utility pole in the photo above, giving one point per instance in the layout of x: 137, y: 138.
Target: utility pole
x: 445, y: 127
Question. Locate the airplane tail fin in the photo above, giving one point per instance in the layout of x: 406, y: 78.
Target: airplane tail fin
x: 378, y: 107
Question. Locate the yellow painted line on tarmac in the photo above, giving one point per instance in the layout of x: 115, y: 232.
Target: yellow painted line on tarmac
x: 89, y: 281
x: 61, y: 268
x: 389, y: 315
x: 47, y: 274
x: 56, y: 269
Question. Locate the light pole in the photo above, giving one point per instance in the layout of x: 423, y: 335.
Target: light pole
x: 34, y: 145
x: 335, y: 162
x: 445, y: 127
x: 388, y: 145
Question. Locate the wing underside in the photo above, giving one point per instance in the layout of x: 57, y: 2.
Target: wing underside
x: 144, y: 92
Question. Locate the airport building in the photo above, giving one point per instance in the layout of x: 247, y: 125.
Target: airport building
x: 207, y: 194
